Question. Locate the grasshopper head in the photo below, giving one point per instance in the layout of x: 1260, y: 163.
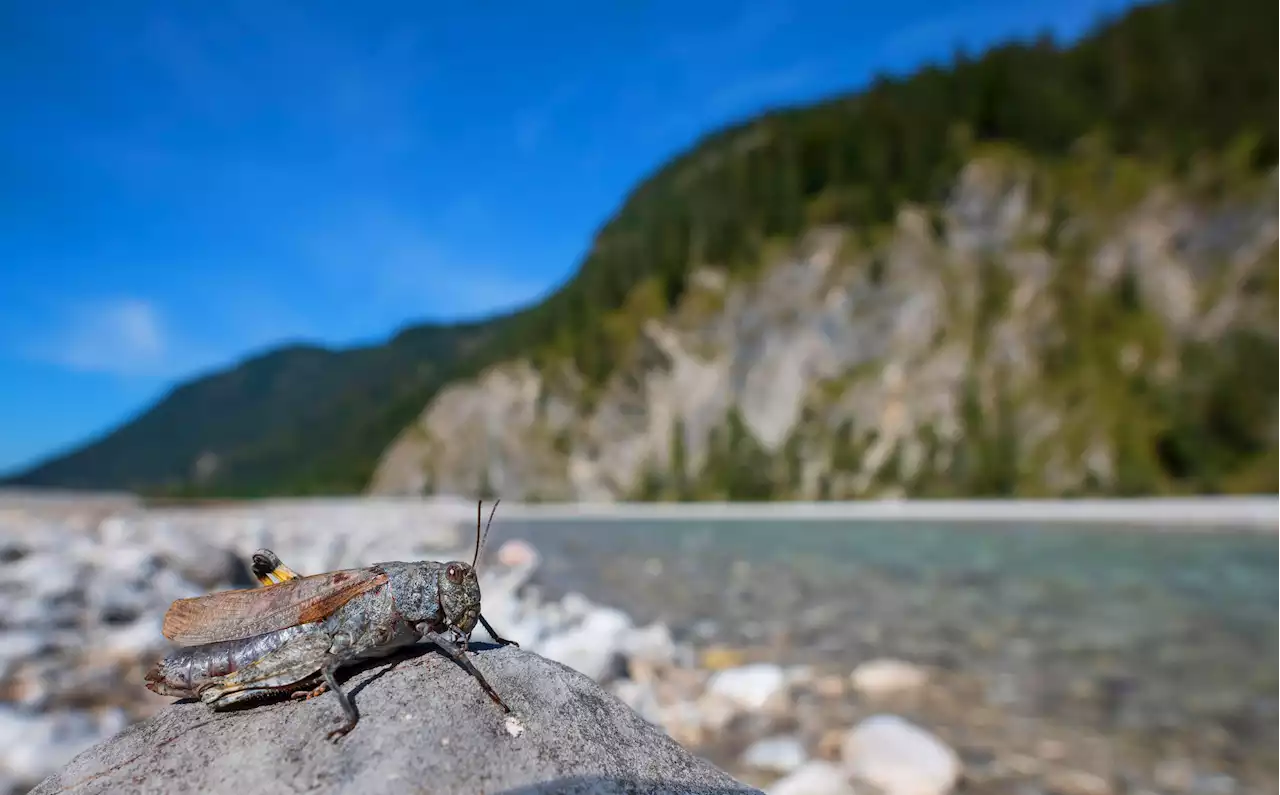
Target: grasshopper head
x: 460, y: 595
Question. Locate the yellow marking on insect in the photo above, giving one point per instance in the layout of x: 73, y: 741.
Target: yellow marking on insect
x: 283, y: 573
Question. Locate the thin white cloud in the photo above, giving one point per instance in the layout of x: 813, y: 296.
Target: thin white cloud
x: 532, y: 124
x: 391, y: 262
x: 760, y: 89
x: 750, y: 29
x: 124, y: 336
x: 717, y: 75
x: 247, y: 59
x: 973, y: 28
x: 938, y: 33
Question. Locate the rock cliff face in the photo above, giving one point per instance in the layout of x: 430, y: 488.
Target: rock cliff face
x: 1016, y: 337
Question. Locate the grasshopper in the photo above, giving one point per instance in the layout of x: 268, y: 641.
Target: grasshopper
x: 294, y: 633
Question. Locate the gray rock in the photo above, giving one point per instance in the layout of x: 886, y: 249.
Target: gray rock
x: 424, y: 724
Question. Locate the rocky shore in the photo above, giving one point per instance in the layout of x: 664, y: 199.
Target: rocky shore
x: 794, y: 690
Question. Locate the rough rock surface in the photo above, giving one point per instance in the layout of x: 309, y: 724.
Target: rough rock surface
x: 425, y: 726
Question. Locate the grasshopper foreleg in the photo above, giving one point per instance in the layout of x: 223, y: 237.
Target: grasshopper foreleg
x: 455, y: 654
x: 501, y: 641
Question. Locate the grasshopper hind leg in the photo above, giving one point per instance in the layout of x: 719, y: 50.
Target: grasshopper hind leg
x: 300, y: 690
x: 291, y: 667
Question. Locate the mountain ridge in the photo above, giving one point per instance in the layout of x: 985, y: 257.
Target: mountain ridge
x: 974, y: 348
x: 1165, y: 82
x: 301, y: 361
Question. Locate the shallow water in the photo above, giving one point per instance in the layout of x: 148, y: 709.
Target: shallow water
x: 1104, y: 573
x: 1169, y: 639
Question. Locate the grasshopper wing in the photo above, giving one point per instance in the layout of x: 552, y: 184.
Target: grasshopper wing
x: 234, y: 615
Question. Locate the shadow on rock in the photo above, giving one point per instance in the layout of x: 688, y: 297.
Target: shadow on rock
x: 375, y: 668
x: 610, y: 785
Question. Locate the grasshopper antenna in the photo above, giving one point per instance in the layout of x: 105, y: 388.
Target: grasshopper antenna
x: 480, y: 540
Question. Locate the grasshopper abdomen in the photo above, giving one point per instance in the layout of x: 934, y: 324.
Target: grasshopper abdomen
x: 181, y: 673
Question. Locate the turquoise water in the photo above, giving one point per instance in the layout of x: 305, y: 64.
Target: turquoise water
x: 1158, y: 634
x: 1231, y: 575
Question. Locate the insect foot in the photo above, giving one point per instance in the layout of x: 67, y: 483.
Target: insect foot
x: 501, y: 641
x: 457, y: 655
x: 307, y: 695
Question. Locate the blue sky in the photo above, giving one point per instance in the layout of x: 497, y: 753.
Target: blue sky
x: 184, y: 183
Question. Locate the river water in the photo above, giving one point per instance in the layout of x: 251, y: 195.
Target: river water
x: 1163, y: 642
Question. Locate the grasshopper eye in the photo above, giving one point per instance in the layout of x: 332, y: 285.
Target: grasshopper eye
x: 454, y: 573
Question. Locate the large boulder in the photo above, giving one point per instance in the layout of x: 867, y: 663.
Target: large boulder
x: 425, y: 725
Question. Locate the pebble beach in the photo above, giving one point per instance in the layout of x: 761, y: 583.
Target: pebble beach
x: 829, y: 655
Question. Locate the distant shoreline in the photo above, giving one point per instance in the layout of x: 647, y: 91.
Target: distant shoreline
x: 1260, y: 513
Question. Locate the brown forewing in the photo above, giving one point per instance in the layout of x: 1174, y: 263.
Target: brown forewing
x: 233, y: 615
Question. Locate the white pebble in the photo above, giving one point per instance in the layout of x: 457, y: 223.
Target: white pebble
x: 899, y: 758
x: 879, y: 678
x: 776, y: 754
x: 750, y: 687
x: 813, y: 778
x: 513, y: 725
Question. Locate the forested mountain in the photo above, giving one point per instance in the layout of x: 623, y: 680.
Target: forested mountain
x: 1179, y: 96
x: 300, y: 419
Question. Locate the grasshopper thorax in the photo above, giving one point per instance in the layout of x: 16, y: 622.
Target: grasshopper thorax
x: 459, y: 594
